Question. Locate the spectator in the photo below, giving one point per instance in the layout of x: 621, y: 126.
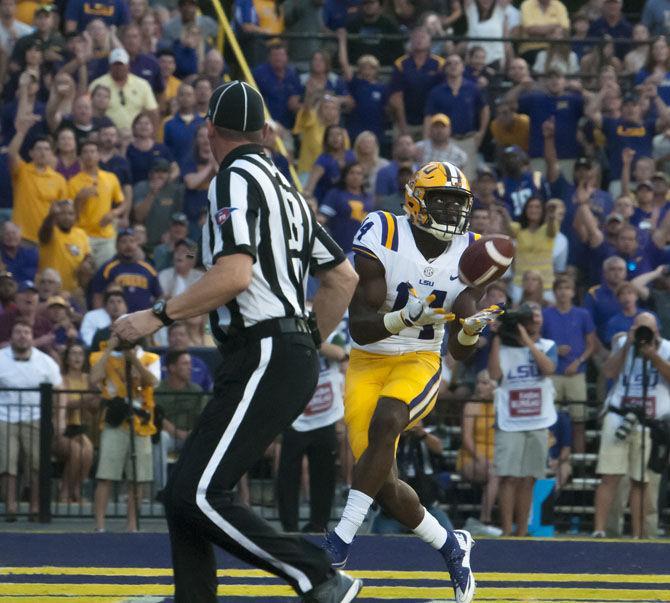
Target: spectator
x: 108, y: 372
x: 157, y: 200
x: 313, y: 435
x: 316, y: 115
x: 538, y: 19
x: 61, y: 315
x: 320, y: 79
x: 631, y: 130
x: 524, y: 410
x: 370, y: 27
x: 404, y: 153
x: 619, y: 456
x: 189, y: 51
x: 143, y: 151
x: 48, y: 283
x: 573, y: 331
x: 16, y: 257
x: 67, y: 163
x: 63, y: 246
x: 637, y: 57
x: 112, y: 161
x: 183, y: 274
x: 198, y: 170
x: 150, y: 29
x: 601, y: 300
x: 114, y: 307
x: 178, y: 231
x: 98, y: 202
x: 78, y: 14
x: 464, y: 103
x: 486, y: 19
x: 565, y: 107
x: 657, y: 68
x: 475, y: 457
x: 485, y: 189
x: 300, y: 16
x: 81, y: 120
x: 138, y: 279
x: 557, y: 57
x: 179, y: 131
x: 31, y: 108
x: 367, y: 98
x: 518, y: 183
x: 168, y: 65
x: 366, y: 149
x: 214, y: 67
x: 612, y: 23
x: 535, y: 235
x: 179, y: 402
x: 560, y: 450
x: 188, y: 14
x: 142, y: 64
x: 11, y: 29
x: 36, y: 184
x: 653, y: 289
x: 203, y: 92
x: 326, y: 170
x: 414, y: 75
x: 22, y: 366
x: 72, y: 446
x: 25, y: 310
x: 130, y: 95
x: 178, y: 339
x: 655, y: 17
x: 476, y: 70
x: 8, y: 288
x: 46, y: 34
x: 345, y: 207
x: 199, y: 334
x: 395, y: 201
x: 438, y: 146
x: 279, y: 84
x: 510, y: 128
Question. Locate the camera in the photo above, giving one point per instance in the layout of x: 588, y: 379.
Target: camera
x: 624, y: 430
x: 509, y: 335
x: 643, y: 335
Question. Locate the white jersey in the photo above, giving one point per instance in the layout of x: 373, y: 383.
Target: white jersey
x: 389, y: 239
x: 524, y: 400
x: 627, y: 391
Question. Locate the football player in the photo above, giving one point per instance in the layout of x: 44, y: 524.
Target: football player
x: 408, y: 290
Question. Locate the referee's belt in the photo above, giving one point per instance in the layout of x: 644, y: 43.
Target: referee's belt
x: 271, y: 328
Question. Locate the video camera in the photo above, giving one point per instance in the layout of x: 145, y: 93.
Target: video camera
x: 509, y: 321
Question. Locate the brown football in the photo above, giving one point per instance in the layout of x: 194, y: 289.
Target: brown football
x: 486, y: 260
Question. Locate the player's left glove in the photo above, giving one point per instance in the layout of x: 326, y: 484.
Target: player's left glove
x: 417, y: 312
x: 473, y: 325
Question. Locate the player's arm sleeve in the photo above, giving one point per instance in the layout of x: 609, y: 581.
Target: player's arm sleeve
x: 234, y: 202
x: 326, y: 253
x: 373, y: 234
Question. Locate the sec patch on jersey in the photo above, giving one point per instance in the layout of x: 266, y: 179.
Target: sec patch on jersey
x: 486, y: 260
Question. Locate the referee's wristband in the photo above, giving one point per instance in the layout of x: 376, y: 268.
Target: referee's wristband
x: 467, y: 340
x: 394, y: 322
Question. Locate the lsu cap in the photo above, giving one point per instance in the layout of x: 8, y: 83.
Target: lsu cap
x: 237, y: 106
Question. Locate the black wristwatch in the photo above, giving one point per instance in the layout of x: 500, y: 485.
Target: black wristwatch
x: 159, y: 310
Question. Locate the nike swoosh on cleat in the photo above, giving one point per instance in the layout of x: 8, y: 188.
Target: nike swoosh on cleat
x: 453, y: 278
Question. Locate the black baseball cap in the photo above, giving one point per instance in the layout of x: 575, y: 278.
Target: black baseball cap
x: 237, y: 106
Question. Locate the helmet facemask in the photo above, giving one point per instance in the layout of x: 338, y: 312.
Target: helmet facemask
x: 444, y: 212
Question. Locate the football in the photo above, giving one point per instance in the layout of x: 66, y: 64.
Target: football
x: 486, y: 260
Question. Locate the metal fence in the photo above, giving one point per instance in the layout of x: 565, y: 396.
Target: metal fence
x: 63, y: 430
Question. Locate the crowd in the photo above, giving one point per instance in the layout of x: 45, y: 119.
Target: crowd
x: 105, y: 167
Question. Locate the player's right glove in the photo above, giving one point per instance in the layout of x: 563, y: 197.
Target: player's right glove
x: 416, y: 313
x: 475, y: 324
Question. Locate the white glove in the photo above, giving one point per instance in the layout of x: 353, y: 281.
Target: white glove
x: 475, y: 324
x: 416, y: 313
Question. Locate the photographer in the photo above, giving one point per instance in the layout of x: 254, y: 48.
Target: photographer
x: 640, y: 365
x: 108, y: 371
x: 522, y: 363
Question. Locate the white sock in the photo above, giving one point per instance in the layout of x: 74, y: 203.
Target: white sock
x: 430, y: 531
x: 353, y: 516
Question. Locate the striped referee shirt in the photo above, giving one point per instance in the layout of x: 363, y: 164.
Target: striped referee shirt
x: 253, y: 209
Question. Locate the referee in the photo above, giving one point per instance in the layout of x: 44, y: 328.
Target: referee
x: 260, y: 243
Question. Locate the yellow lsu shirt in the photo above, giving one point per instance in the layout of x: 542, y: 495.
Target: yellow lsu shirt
x: 115, y: 385
x: 34, y: 192
x: 94, y: 208
x: 64, y: 252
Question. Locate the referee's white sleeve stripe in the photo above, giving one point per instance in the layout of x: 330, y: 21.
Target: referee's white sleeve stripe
x: 238, y: 198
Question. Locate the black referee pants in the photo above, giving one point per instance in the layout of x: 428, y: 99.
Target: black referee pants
x: 261, y: 388
x: 320, y: 447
